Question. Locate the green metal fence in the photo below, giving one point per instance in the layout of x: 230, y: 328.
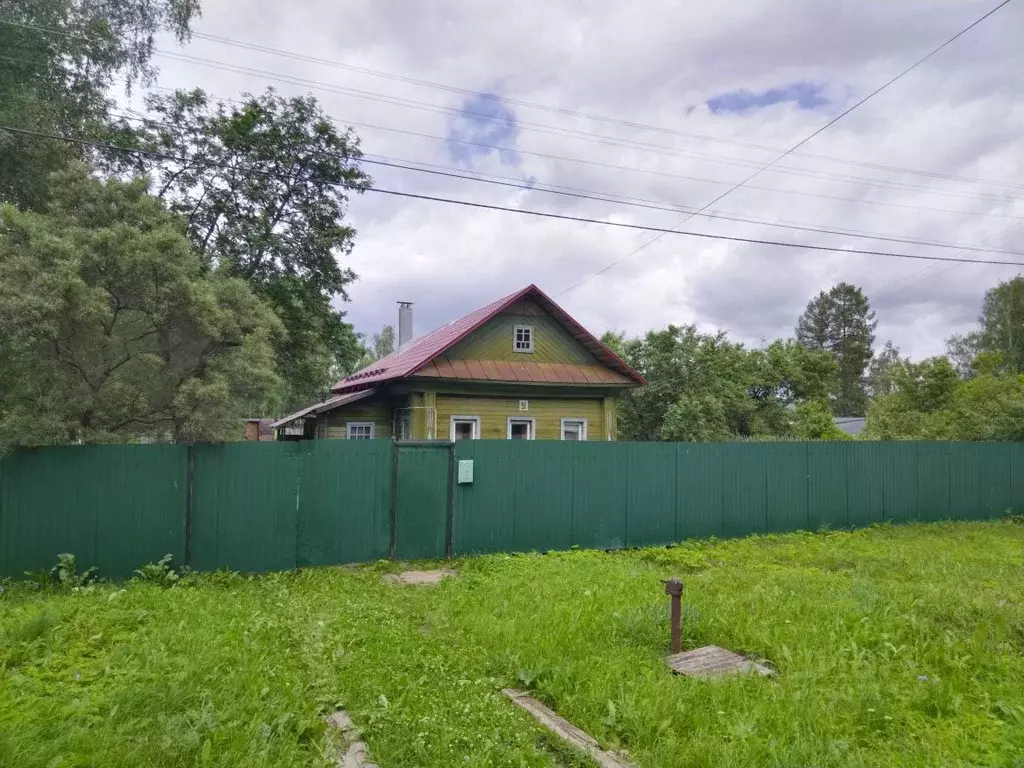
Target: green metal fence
x: 269, y: 506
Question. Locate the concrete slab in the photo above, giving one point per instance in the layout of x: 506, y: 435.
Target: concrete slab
x: 712, y: 661
x: 420, y: 578
x: 356, y: 754
x: 566, y: 731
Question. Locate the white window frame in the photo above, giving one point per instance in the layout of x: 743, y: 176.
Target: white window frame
x: 515, y: 339
x: 532, y: 421
x: 571, y: 420
x: 350, y: 424
x: 476, y: 426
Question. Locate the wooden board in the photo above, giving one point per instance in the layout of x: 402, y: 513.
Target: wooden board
x: 566, y: 730
x: 712, y: 661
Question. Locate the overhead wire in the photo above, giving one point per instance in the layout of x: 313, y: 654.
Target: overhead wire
x: 522, y: 211
x: 576, y: 113
x: 446, y: 172
x: 563, y: 132
x: 647, y: 171
x: 800, y: 143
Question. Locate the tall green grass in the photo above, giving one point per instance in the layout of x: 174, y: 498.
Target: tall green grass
x: 893, y: 646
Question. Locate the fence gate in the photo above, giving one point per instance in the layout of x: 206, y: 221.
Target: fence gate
x: 421, y: 500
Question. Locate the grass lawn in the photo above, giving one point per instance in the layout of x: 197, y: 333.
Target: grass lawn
x: 893, y: 646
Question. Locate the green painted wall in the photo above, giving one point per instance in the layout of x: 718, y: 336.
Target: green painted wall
x: 493, y: 341
x: 494, y: 412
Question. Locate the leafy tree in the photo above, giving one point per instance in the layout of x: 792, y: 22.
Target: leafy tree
x: 882, y: 369
x: 264, y: 187
x: 931, y: 401
x: 57, y: 82
x: 704, y: 387
x: 1001, y: 331
x: 841, y: 322
x: 814, y: 422
x: 384, y: 342
x: 113, y: 330
x: 696, y: 418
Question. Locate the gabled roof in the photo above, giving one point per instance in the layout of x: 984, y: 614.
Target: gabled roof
x: 408, y: 359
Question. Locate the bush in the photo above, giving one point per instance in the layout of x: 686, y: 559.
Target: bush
x: 161, y: 572
x: 64, y: 574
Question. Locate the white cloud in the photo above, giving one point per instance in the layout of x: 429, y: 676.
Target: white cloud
x: 959, y: 113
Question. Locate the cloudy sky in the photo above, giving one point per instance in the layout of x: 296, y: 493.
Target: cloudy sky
x: 660, y: 105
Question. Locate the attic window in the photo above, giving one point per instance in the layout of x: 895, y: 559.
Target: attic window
x: 522, y: 338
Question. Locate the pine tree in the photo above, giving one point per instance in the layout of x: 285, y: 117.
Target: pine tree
x: 841, y: 322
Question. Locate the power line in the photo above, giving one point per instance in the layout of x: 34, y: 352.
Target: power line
x: 524, y: 211
x: 569, y: 133
x: 562, y: 132
x: 800, y: 143
x: 505, y: 181
x: 645, y: 171
x: 575, y: 113
x: 887, y: 288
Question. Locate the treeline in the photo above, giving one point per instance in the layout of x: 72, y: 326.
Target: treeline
x: 170, y: 291
x: 706, y: 387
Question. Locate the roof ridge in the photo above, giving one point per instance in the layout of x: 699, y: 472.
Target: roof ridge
x: 404, y: 362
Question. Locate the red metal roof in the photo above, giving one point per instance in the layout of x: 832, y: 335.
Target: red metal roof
x: 409, y: 360
x: 545, y: 373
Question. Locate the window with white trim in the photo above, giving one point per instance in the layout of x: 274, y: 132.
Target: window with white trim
x: 464, y: 428
x: 360, y: 430
x: 574, y: 429
x: 521, y: 428
x: 522, y: 338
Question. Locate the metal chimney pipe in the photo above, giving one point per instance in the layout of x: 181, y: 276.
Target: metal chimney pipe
x: 404, y: 322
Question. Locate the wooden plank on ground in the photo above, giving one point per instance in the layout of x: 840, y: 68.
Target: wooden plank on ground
x: 566, y: 730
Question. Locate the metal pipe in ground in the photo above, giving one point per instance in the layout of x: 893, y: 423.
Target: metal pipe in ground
x: 674, y: 589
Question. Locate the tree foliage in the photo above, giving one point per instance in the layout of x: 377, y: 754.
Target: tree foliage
x: 113, y: 330
x: 705, y: 387
x: 1001, y: 329
x: 60, y: 58
x: 263, y: 187
x: 931, y: 401
x: 842, y: 323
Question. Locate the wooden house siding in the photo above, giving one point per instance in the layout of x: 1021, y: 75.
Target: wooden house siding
x: 378, y: 410
x: 548, y: 412
x: 552, y: 343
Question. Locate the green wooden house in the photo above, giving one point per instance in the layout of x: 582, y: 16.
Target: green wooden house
x: 518, y: 368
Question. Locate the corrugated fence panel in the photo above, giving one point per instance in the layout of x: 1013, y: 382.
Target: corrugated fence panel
x: 422, y: 500
x: 786, y: 467
x: 244, y: 507
x: 599, y: 495
x: 933, y: 461
x: 964, y: 481
x: 113, y: 506
x: 484, y: 516
x: 996, y: 479
x: 1017, y: 470
x: 651, y: 494
x: 344, y: 501
x: 699, y: 468
x: 826, y: 486
x: 266, y: 506
x: 898, y: 472
x: 540, y: 485
x: 744, y: 488
x: 864, y: 491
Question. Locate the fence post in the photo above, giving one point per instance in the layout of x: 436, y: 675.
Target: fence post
x: 393, y: 540
x: 190, y: 470
x: 449, y: 521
